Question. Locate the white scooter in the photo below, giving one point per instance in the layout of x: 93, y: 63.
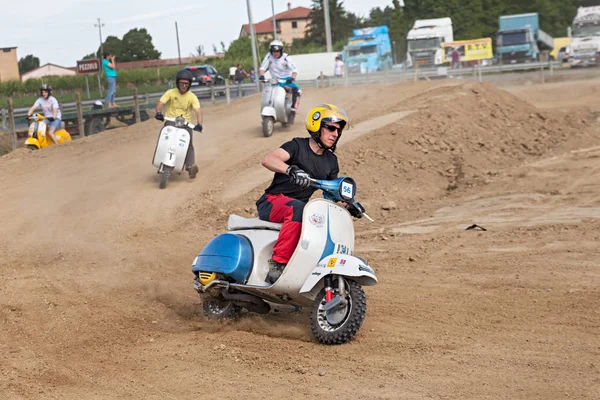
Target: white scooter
x: 276, y: 105
x: 323, y: 272
x: 171, y: 149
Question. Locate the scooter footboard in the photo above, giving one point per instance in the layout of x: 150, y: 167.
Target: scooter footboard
x: 337, y: 264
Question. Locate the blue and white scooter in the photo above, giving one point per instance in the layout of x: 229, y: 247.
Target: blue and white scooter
x: 323, y: 272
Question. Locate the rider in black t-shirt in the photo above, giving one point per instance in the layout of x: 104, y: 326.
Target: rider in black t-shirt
x: 294, y: 163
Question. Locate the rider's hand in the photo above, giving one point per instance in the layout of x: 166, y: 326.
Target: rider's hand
x: 198, y: 127
x: 356, y: 209
x: 51, y: 119
x: 290, y: 80
x: 298, y: 176
x: 159, y: 116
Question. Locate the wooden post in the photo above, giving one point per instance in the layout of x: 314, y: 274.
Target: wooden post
x: 147, y: 98
x: 367, y: 75
x: 11, y: 119
x: 239, y: 90
x: 136, y: 105
x: 79, y: 114
x: 345, y: 77
x: 322, y: 79
x: 479, y: 71
x: 212, y: 94
x: 227, y: 92
x: 542, y: 71
x: 416, y: 71
x: 4, y: 116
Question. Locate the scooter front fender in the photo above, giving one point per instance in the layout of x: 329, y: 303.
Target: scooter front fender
x: 170, y: 158
x: 268, y: 112
x: 33, y: 142
x: 340, y: 264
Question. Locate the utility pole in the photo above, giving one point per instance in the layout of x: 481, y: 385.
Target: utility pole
x: 100, y: 25
x: 253, y: 39
x: 327, y: 25
x: 178, y: 50
x: 274, y: 23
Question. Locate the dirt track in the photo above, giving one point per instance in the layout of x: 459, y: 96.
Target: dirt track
x: 96, y: 297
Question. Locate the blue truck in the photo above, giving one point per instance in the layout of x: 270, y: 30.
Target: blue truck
x: 369, y: 49
x: 520, y: 39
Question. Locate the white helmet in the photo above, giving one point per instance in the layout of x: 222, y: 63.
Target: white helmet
x: 276, y: 45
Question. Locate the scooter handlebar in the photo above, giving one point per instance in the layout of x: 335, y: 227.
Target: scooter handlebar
x: 191, y: 126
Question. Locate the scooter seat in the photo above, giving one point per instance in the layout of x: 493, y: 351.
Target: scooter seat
x: 237, y: 223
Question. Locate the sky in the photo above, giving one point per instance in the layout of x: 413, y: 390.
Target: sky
x: 63, y: 31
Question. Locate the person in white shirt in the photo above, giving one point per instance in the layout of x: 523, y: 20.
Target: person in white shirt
x: 281, y: 66
x: 339, y: 67
x: 232, y: 70
x: 50, y: 108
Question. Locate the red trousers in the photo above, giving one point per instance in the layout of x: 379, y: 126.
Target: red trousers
x: 282, y: 209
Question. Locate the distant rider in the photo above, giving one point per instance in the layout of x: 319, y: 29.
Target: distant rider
x: 50, y: 108
x: 281, y: 65
x: 181, y: 102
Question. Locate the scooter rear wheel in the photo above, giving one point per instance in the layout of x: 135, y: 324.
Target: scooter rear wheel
x: 220, y: 309
x: 339, y: 325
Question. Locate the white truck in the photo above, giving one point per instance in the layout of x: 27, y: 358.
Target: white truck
x: 311, y: 65
x: 424, y: 42
x: 585, y: 37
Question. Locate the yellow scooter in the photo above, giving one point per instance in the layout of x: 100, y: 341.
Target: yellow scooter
x: 37, y: 134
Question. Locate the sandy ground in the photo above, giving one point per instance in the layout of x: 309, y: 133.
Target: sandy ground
x: 96, y: 296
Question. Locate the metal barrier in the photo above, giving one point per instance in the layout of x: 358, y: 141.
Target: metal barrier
x: 227, y: 93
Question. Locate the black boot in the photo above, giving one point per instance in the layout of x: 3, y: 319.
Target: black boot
x: 275, y: 271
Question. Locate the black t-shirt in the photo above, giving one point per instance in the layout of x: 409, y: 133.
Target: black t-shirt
x: 324, y: 166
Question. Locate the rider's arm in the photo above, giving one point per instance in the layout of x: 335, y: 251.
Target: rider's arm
x: 264, y: 66
x: 32, y: 109
x: 275, y: 161
x: 292, y: 67
x: 163, y: 100
x: 54, y: 107
x: 197, y: 109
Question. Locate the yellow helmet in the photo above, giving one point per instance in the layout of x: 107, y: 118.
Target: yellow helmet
x: 325, y: 113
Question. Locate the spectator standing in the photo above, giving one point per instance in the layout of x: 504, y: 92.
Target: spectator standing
x: 110, y: 71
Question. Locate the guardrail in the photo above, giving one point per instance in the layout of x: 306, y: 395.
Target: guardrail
x: 228, y: 92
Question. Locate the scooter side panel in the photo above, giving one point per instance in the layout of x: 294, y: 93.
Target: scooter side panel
x: 279, y: 97
x: 229, y: 254
x: 262, y: 245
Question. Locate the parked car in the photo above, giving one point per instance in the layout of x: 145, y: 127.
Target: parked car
x: 205, y: 75
x: 563, y: 54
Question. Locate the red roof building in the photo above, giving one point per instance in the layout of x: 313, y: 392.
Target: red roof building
x: 290, y: 25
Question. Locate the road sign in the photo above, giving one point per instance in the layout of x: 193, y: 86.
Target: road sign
x: 88, y: 66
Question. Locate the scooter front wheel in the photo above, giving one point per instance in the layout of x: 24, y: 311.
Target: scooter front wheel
x: 165, y: 176
x: 341, y: 323
x: 267, y: 126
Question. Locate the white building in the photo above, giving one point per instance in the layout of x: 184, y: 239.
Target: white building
x: 48, y: 70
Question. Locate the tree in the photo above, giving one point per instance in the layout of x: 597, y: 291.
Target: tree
x: 341, y: 22
x: 137, y: 45
x: 214, y: 49
x: 199, y: 51
x: 28, y: 63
